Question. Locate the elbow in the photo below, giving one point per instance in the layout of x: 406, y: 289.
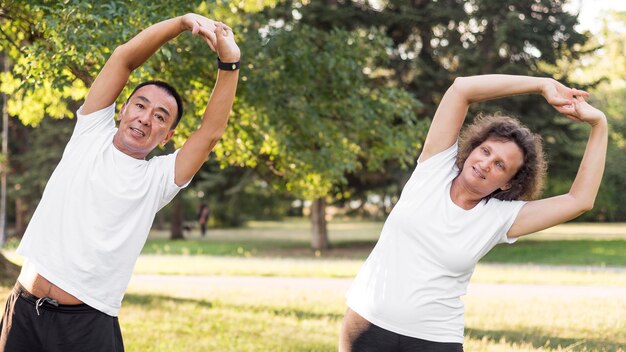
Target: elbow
x: 212, y: 140
x: 462, y: 88
x: 583, y: 205
x: 459, y: 83
x: 121, y: 55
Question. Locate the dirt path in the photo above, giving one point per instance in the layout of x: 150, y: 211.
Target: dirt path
x: 339, y: 286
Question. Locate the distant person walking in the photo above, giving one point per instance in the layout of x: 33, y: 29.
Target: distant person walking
x: 466, y: 194
x: 203, y: 218
x: 83, y: 240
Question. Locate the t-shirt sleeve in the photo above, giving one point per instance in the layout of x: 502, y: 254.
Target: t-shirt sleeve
x: 96, y: 122
x: 441, y: 159
x: 167, y: 163
x: 436, y: 166
x: 508, y: 212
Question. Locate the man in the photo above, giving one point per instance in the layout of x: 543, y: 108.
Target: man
x: 99, y: 204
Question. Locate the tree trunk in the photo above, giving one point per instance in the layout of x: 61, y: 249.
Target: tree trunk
x: 319, y: 231
x: 176, y: 231
x: 8, y: 272
x: 159, y: 221
x: 21, y: 213
x: 5, y: 160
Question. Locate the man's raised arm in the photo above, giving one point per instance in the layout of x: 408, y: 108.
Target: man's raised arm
x: 127, y: 57
x: 196, y: 149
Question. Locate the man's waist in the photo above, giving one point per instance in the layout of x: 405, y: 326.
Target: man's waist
x: 39, y: 286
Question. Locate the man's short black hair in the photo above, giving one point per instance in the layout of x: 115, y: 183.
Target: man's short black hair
x: 168, y: 88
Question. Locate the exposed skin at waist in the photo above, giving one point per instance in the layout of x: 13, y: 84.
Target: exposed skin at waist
x: 39, y: 286
x: 352, y: 326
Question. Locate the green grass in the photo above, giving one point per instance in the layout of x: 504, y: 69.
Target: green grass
x: 282, y: 249
x: 561, y: 252
x: 247, y: 248
x: 305, y: 319
x: 251, y: 319
x: 175, y: 319
x: 269, y: 319
x: 551, y: 252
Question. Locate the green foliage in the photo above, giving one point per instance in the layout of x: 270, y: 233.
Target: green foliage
x: 606, y: 70
x: 314, y: 112
x: 56, y: 48
x: 432, y: 42
x: 235, y: 195
x: 33, y: 162
x: 307, y: 110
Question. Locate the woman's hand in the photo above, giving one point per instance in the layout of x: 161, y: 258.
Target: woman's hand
x: 586, y: 113
x: 561, y: 97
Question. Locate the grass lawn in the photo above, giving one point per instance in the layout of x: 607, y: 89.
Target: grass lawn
x: 171, y: 318
x: 568, y: 244
x: 264, y: 319
x: 282, y: 249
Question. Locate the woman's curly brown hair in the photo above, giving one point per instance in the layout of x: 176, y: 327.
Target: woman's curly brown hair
x: 528, y: 181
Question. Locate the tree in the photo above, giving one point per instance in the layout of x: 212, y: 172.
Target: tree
x: 4, y: 159
x: 309, y: 109
x: 432, y: 42
x: 42, y: 85
x: 325, y: 116
x: 605, y: 70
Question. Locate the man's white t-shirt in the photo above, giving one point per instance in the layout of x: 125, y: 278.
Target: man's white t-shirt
x: 413, y: 280
x: 95, y: 214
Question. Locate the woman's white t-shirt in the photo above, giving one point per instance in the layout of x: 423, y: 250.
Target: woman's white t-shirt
x: 412, y: 281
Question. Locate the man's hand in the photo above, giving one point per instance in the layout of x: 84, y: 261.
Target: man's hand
x: 200, y: 25
x: 227, y: 49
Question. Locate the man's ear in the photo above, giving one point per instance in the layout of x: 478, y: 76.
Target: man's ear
x: 122, y: 111
x: 167, y: 138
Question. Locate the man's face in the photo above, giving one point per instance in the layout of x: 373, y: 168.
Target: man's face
x: 145, y: 121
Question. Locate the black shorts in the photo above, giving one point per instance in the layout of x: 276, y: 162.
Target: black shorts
x: 377, y: 339
x: 30, y: 324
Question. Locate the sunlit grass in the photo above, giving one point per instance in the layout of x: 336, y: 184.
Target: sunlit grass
x: 195, y: 265
x: 269, y: 319
x: 177, y: 319
x: 172, y: 317
x: 561, y: 252
x: 545, y: 323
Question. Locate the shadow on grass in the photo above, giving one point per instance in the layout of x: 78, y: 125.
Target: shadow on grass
x: 157, y: 300
x: 538, y: 339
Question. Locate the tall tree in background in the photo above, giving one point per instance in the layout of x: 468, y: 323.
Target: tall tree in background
x: 307, y: 111
x: 325, y: 116
x: 56, y: 49
x: 322, y: 110
x: 605, y: 69
x: 432, y: 42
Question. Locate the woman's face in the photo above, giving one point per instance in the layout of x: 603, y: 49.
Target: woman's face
x: 491, y: 166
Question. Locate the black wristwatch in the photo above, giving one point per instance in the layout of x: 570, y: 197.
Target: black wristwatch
x: 227, y: 66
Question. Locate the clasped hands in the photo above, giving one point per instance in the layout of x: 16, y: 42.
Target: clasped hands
x: 218, y: 36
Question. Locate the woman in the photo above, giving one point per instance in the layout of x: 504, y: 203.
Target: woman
x: 459, y: 203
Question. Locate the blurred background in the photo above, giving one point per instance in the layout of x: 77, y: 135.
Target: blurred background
x: 334, y: 101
